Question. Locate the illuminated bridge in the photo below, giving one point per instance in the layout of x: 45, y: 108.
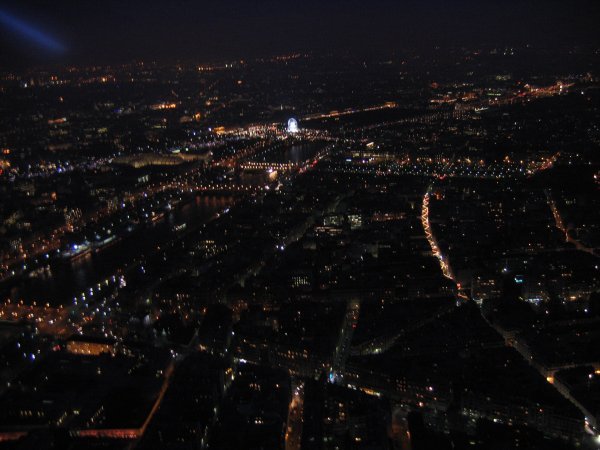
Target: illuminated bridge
x: 251, y: 165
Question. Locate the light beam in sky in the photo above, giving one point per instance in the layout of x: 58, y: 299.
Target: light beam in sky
x: 31, y: 33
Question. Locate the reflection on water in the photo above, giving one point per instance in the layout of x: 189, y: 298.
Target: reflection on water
x: 65, y: 279
x: 296, y: 153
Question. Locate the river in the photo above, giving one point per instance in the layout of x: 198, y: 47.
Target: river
x: 65, y: 279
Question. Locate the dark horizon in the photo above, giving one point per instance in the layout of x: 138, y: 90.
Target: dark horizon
x: 116, y: 33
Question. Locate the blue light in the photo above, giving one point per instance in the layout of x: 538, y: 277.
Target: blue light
x: 31, y: 33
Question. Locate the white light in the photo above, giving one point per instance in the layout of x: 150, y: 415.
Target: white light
x: 292, y: 126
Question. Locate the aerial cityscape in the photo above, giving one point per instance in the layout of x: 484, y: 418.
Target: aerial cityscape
x: 393, y: 247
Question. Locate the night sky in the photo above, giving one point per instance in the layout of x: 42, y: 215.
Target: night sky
x: 120, y: 30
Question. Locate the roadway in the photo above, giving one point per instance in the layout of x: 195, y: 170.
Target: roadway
x: 559, y: 223
x: 435, y: 249
x: 295, y: 420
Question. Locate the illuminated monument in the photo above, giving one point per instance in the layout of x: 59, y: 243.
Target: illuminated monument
x: 292, y: 126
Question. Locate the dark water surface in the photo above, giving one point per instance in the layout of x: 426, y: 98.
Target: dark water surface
x: 66, y: 279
